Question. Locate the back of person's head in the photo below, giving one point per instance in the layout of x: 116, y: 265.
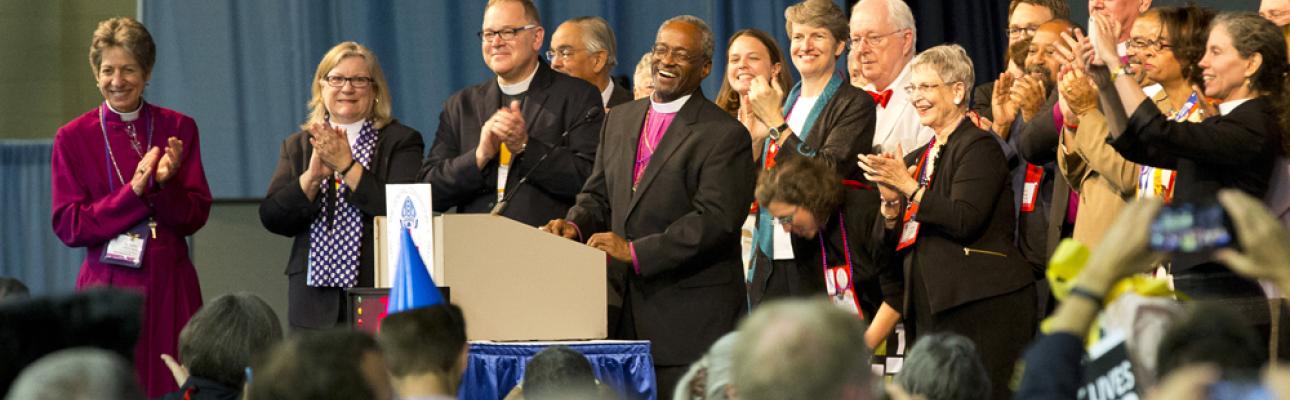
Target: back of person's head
x: 710, y: 377
x: 427, y: 340
x: 944, y: 366
x: 77, y: 373
x: 559, y: 372
x: 12, y: 289
x: 31, y: 328
x: 801, y: 349
x: 333, y: 364
x: 227, y: 335
x: 1214, y: 335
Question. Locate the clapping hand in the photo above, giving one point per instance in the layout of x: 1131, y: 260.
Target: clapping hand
x: 766, y: 100
x: 331, y: 145
x: 171, y: 160
x: 1108, y: 30
x: 144, y: 172
x: 1028, y: 93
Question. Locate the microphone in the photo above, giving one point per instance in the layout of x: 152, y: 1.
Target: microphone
x: 506, y: 199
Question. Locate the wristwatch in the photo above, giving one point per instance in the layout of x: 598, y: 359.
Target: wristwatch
x: 776, y: 131
x: 1115, y: 73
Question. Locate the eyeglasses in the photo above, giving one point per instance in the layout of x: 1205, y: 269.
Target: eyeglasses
x: 1016, y: 31
x: 787, y: 219
x: 1148, y: 44
x: 355, y: 81
x: 871, y: 40
x: 678, y: 54
x: 507, y: 34
x: 563, y: 54
x: 923, y: 88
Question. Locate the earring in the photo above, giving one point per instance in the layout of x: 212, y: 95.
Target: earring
x: 957, y: 101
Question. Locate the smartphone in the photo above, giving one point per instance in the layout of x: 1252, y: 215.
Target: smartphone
x: 1239, y: 390
x: 1191, y: 228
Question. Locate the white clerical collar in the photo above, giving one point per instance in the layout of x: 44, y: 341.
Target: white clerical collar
x: 128, y: 116
x: 351, y: 130
x: 668, y: 107
x: 1226, y: 107
x: 904, y: 70
x: 604, y: 94
x: 518, y: 87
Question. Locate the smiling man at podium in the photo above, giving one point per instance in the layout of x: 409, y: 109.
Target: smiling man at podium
x: 667, y: 195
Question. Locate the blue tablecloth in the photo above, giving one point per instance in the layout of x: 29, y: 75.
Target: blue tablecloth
x: 496, y: 368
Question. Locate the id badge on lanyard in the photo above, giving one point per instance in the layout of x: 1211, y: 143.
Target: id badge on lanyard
x: 839, y: 279
x: 1030, y: 189
x: 127, y: 248
x: 909, y: 231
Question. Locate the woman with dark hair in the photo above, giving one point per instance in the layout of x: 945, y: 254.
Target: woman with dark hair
x: 133, y: 230
x: 330, y: 183
x: 751, y: 53
x: 219, y: 343
x: 822, y: 117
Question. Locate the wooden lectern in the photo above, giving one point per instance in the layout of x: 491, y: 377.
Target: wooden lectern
x: 515, y: 282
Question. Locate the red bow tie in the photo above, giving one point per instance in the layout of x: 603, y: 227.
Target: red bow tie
x: 881, y: 97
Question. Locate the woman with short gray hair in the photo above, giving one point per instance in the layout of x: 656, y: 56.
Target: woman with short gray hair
x: 951, y: 222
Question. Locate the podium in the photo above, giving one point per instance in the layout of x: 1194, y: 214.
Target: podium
x: 514, y: 282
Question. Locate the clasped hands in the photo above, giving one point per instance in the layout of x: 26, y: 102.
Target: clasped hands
x: 610, y: 243
x: 159, y: 165
x: 895, y: 180
x: 506, y: 126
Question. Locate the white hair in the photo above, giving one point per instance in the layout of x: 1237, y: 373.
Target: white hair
x: 898, y: 15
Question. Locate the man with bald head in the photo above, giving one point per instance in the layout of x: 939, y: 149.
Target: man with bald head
x: 585, y: 48
x: 882, y: 43
x: 666, y: 199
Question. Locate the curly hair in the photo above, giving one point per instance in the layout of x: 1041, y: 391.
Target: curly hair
x: 804, y: 182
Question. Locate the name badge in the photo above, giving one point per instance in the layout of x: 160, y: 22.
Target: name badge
x: 841, y: 292
x: 127, y: 248
x: 783, y: 241
x: 909, y: 234
x: 1034, y: 174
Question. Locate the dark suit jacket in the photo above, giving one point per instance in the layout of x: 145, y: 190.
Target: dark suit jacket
x: 965, y: 248
x: 555, y: 103
x: 1236, y: 150
x: 286, y: 211
x: 982, y: 98
x: 683, y: 221
x: 1040, y: 231
x: 621, y: 94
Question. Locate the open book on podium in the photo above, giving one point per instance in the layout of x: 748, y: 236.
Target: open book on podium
x: 512, y: 281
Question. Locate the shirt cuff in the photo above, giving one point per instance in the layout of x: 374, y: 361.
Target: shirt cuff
x: 636, y: 265
x: 576, y: 228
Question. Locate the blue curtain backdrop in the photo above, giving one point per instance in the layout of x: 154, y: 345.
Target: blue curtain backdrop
x: 242, y: 68
x: 30, y: 251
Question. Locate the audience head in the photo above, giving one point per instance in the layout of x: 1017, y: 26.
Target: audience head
x: 1245, y: 56
x: 1017, y: 58
x: 1213, y: 335
x: 1123, y: 11
x: 801, y: 349
x: 12, y: 289
x: 101, y: 317
x: 643, y: 80
x: 1025, y: 16
x: 510, y: 38
x: 584, y: 48
x: 1042, y: 60
x: 122, y: 55
x: 944, y: 366
x: 334, y: 364
x: 227, y: 335
x: 349, y: 86
x: 801, y: 193
x: 80, y: 373
x: 1179, y: 43
x: 883, y: 33
x: 559, y: 372
x: 751, y: 53
x: 817, y: 33
x: 425, y: 344
x: 940, y: 78
x: 710, y: 377
x: 682, y: 57
x: 1144, y: 38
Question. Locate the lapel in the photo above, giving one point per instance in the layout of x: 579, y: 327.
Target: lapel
x: 622, y: 161
x: 535, y: 100
x: 676, y: 134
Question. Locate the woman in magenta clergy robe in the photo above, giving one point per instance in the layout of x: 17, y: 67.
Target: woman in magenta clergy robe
x: 128, y: 174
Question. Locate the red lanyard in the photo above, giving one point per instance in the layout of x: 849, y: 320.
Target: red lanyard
x: 846, y: 250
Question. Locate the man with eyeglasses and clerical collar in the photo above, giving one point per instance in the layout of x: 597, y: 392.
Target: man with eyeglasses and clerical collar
x: 530, y: 122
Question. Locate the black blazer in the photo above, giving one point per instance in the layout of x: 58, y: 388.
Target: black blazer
x: 683, y: 220
x: 286, y: 211
x: 965, y: 248
x: 843, y: 129
x: 555, y: 103
x: 1234, y: 150
x: 621, y: 94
